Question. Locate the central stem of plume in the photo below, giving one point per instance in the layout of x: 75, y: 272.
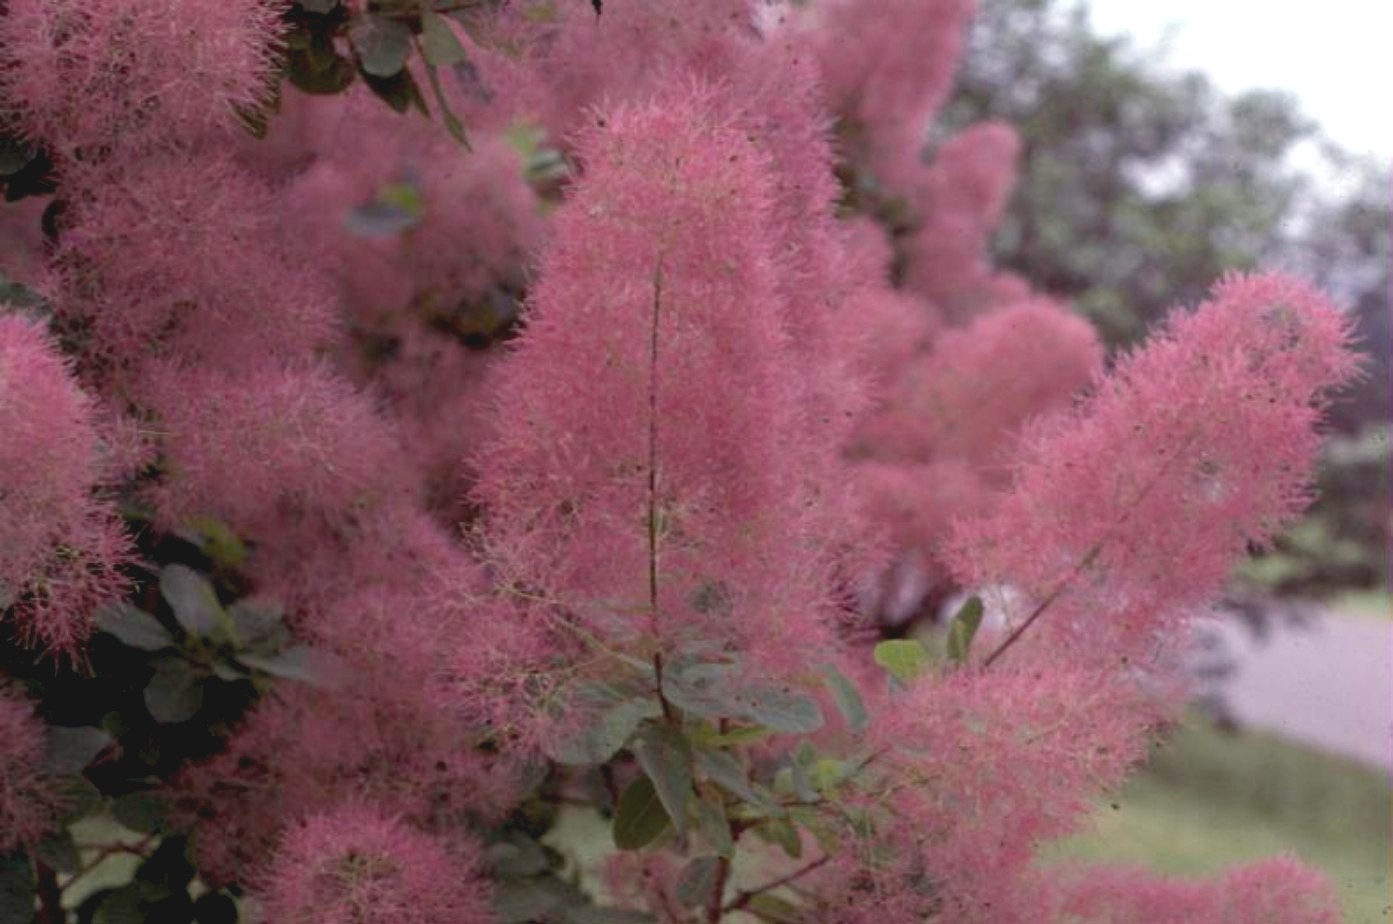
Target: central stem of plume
x: 653, y: 475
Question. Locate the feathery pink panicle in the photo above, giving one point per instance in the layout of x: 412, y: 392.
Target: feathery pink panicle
x: 577, y: 60
x: 914, y: 504
x: 479, y: 218
x: 1276, y: 891
x: 61, y: 548
x: 28, y: 799
x: 378, y: 736
x: 271, y: 446
x: 888, y: 65
x: 111, y: 78
x: 1195, y: 446
x: 958, y: 201
x: 354, y: 864
x: 984, y: 766
x: 627, y: 404
x: 209, y: 277
x: 969, y: 397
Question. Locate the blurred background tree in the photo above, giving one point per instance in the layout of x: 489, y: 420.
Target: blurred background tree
x: 1141, y: 183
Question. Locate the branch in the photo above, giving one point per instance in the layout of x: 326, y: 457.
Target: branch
x: 745, y: 896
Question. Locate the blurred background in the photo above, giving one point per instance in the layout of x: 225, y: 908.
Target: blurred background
x: 1164, y: 144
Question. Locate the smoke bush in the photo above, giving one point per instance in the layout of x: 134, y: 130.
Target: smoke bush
x: 542, y: 420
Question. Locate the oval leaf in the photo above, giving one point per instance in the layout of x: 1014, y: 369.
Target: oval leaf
x: 383, y: 44
x: 192, y: 599
x: 134, y: 627
x: 639, y: 818
x: 175, y: 693
x: 847, y: 698
x: 904, y: 658
x: 698, y: 881
x: 666, y: 756
x: 439, y: 44
x: 963, y: 628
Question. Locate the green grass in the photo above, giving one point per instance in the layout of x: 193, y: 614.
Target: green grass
x: 1208, y: 800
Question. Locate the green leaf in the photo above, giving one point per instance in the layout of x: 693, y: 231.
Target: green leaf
x: 398, y: 91
x: 725, y: 771
x: 140, y: 811
x: 780, y: 708
x: 383, y: 44
x: 72, y: 749
x: 738, y: 735
x: 259, y: 625
x: 716, y: 691
x: 715, y: 828
x: 14, y: 154
x: 599, y: 721
x: 59, y: 851
x: 216, y: 540
x: 963, y: 628
x: 16, y: 888
x: 516, y: 856
x: 134, y: 627
x: 175, y: 693
x: 666, y: 756
x: 782, y: 832
x: 639, y: 818
x: 439, y: 44
x: 904, y: 658
x: 847, y: 698
x: 775, y: 910
x: 298, y: 663
x: 317, y: 68
x: 452, y: 123
x: 698, y: 881
x: 193, y: 601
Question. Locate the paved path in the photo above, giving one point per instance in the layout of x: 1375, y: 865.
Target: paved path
x: 1327, y: 682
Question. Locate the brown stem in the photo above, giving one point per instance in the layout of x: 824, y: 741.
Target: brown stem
x: 50, y: 895
x: 1044, y: 604
x: 653, y: 342
x: 745, y: 896
x: 1088, y: 559
x: 718, y: 888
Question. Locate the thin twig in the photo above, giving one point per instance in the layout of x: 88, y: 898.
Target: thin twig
x: 745, y: 896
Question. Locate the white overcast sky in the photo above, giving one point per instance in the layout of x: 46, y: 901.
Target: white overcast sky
x: 1333, y: 54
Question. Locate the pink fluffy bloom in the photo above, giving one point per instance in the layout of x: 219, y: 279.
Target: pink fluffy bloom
x: 1276, y: 891
x: 970, y: 396
x: 354, y: 865
x: 887, y: 65
x: 958, y: 201
x: 272, y: 448
x: 973, y: 771
x: 646, y: 477
x: 209, y: 278
x: 28, y: 800
x: 128, y: 75
x: 61, y: 548
x: 1127, y: 513
x: 576, y: 60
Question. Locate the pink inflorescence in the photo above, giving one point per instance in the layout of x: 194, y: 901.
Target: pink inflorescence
x: 354, y: 865
x: 61, y: 547
x: 649, y: 414
x: 28, y: 800
x: 1277, y: 891
x: 98, y: 81
x: 887, y: 67
x: 1126, y: 514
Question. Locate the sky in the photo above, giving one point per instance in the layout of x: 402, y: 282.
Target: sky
x: 1333, y: 54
